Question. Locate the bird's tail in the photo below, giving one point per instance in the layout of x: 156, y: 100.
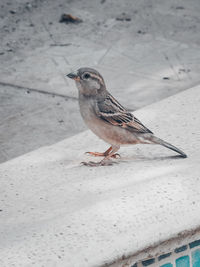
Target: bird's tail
x: 161, y: 142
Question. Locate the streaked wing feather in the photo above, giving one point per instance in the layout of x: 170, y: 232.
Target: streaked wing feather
x: 111, y: 111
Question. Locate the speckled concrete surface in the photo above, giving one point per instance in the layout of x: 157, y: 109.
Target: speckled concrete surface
x: 55, y: 212
x: 152, y: 55
x: 30, y: 119
x: 160, y: 41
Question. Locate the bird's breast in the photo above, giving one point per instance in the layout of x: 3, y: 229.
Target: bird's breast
x: 111, y: 134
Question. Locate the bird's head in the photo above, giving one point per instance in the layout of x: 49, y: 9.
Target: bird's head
x: 88, y: 81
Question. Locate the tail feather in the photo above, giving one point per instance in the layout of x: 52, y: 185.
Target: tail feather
x: 161, y: 142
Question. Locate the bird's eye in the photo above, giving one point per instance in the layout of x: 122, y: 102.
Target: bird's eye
x: 86, y: 76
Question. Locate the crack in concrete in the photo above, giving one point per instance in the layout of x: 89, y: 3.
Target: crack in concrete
x: 37, y: 91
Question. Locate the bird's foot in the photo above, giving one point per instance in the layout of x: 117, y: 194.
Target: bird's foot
x: 99, y: 154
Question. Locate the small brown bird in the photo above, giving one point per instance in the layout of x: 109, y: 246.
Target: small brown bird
x: 108, y: 119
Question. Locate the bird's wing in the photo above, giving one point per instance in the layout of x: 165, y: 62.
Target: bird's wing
x: 111, y: 111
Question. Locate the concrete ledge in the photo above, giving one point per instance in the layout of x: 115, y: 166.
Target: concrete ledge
x: 55, y: 212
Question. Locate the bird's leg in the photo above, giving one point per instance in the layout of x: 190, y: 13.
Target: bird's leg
x: 104, y: 154
x: 105, y: 161
x: 112, y: 153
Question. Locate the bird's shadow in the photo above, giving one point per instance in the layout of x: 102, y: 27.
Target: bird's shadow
x: 147, y: 158
x: 133, y: 158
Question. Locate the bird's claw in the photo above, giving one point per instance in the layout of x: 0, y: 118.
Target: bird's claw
x: 116, y: 156
x: 98, y: 154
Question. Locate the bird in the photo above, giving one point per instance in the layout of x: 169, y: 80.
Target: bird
x: 108, y: 119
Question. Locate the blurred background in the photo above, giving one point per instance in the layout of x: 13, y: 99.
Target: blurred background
x: 146, y: 50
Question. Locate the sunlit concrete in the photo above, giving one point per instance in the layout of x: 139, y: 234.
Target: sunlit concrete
x: 56, y: 212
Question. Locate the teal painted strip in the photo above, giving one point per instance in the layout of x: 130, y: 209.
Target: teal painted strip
x: 167, y: 265
x: 183, y: 262
x: 180, y: 249
x: 196, y: 258
x: 148, y: 262
x: 163, y: 256
x: 195, y: 244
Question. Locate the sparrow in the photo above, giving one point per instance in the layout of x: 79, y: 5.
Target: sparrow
x: 108, y: 119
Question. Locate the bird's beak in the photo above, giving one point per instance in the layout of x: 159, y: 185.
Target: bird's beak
x: 74, y: 76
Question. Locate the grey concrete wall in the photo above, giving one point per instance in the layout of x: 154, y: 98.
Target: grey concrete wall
x: 145, y: 51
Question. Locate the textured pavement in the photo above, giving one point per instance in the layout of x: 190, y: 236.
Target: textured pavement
x: 55, y: 212
x: 145, y: 51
